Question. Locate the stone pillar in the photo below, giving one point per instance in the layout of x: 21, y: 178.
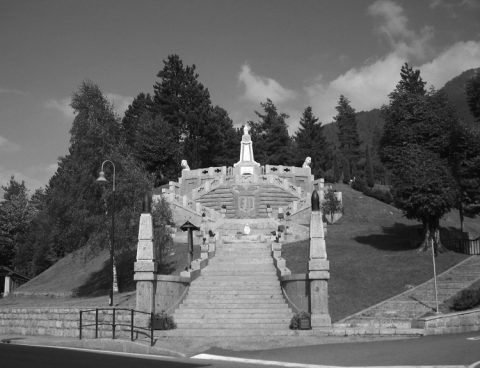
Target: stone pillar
x: 8, y: 285
x: 146, y: 266
x: 318, y: 267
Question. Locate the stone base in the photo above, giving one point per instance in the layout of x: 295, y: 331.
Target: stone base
x: 320, y: 321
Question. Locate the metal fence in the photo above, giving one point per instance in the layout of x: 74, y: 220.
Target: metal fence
x: 466, y: 246
x: 113, y: 323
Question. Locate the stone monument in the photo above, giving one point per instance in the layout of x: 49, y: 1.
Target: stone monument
x: 247, y: 164
x: 318, y: 267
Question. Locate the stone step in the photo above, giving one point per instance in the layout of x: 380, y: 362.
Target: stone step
x: 236, y: 293
x: 379, y: 322
x: 229, y: 305
x: 252, y: 321
x: 232, y: 313
x: 244, y: 299
x: 233, y: 325
x: 219, y: 332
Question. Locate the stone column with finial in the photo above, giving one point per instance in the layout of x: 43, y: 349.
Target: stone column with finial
x: 318, y: 269
x: 145, y: 266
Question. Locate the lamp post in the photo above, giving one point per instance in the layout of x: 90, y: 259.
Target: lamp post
x: 102, y: 180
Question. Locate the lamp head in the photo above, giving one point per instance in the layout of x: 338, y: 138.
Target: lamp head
x: 101, y: 178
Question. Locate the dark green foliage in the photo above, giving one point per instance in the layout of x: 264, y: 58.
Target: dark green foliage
x: 296, y: 321
x: 410, y: 82
x: 472, y: 91
x: 467, y: 299
x: 336, y: 169
x: 346, y: 171
x: 331, y: 205
x: 369, y: 176
x: 270, y: 134
x: 16, y: 212
x: 310, y: 142
x: 163, y: 243
x: 163, y: 321
x: 130, y: 122
x: 349, y: 142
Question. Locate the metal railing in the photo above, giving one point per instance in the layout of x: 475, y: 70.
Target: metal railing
x: 114, y: 324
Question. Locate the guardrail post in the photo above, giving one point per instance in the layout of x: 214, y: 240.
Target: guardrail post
x: 151, y: 328
x: 80, y: 327
x: 113, y: 325
x: 96, y: 323
x: 131, y: 324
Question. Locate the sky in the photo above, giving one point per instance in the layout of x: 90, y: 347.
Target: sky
x: 297, y: 53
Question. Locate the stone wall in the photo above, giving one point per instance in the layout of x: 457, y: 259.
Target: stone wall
x: 170, y: 292
x: 297, y: 291
x: 450, y: 323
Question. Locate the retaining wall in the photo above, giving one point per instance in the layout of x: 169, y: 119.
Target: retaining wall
x: 465, y: 321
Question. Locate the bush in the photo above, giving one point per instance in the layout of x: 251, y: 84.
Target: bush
x: 163, y: 321
x: 295, y: 323
x: 467, y: 299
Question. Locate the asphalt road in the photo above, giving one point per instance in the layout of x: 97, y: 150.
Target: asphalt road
x: 26, y: 356
x: 453, y: 349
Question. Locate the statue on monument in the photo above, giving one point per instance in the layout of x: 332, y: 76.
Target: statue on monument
x: 307, y: 163
x: 246, y: 129
x: 185, y: 165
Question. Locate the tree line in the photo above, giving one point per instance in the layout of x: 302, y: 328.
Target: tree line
x: 424, y: 147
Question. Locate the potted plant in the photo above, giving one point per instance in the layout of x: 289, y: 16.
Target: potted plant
x: 163, y: 321
x: 301, y: 321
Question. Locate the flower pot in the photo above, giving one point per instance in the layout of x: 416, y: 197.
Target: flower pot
x: 304, y: 324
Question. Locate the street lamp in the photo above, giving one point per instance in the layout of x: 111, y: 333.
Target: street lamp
x: 102, y: 180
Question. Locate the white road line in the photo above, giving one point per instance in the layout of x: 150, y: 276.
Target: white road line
x: 301, y: 365
x: 474, y: 364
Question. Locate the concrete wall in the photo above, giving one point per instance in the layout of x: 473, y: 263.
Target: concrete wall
x: 170, y: 292
x: 297, y: 290
x: 450, y: 323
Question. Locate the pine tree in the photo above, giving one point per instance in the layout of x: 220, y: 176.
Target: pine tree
x: 310, y: 142
x: 415, y: 148
x: 472, y: 90
x: 130, y: 122
x: 347, y: 134
x: 369, y: 176
x: 270, y: 134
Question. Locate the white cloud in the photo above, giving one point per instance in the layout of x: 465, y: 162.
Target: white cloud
x: 457, y: 58
x: 393, y: 24
x: 8, y: 146
x: 449, y: 4
x: 368, y: 87
x: 62, y: 105
x: 120, y: 103
x: 258, y: 88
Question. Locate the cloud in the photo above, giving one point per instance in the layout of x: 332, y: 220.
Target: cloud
x: 368, y: 87
x: 451, y: 62
x: 62, y: 105
x: 34, y: 176
x: 7, y: 146
x: 120, y: 103
x: 393, y: 25
x: 10, y: 91
x: 258, y: 88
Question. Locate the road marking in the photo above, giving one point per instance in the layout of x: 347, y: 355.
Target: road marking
x: 474, y: 364
x: 301, y: 365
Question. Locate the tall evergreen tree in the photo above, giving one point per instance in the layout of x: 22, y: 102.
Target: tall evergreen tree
x: 310, y: 141
x: 415, y: 148
x: 131, y: 121
x: 270, y: 134
x: 347, y: 134
x: 369, y: 175
x: 472, y: 91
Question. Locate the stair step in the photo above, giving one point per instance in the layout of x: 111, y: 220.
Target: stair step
x: 233, y: 325
x: 229, y: 305
x: 231, y: 313
x: 236, y: 293
x: 219, y: 332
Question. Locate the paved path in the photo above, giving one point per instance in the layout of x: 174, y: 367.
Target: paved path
x: 401, y: 309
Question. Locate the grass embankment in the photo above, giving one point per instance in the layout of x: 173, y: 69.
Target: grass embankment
x: 372, y: 253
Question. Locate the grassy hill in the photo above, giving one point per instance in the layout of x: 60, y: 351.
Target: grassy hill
x: 372, y: 253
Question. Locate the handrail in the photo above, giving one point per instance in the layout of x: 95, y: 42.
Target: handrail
x: 114, y: 324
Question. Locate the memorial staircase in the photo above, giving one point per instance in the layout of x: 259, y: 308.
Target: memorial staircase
x: 237, y: 294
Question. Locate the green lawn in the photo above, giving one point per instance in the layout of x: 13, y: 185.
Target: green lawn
x: 372, y: 255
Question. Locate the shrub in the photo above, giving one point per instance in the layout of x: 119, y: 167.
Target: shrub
x: 297, y: 317
x: 467, y: 299
x: 163, y: 321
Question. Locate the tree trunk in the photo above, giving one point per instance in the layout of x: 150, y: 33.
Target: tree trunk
x: 432, y: 235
